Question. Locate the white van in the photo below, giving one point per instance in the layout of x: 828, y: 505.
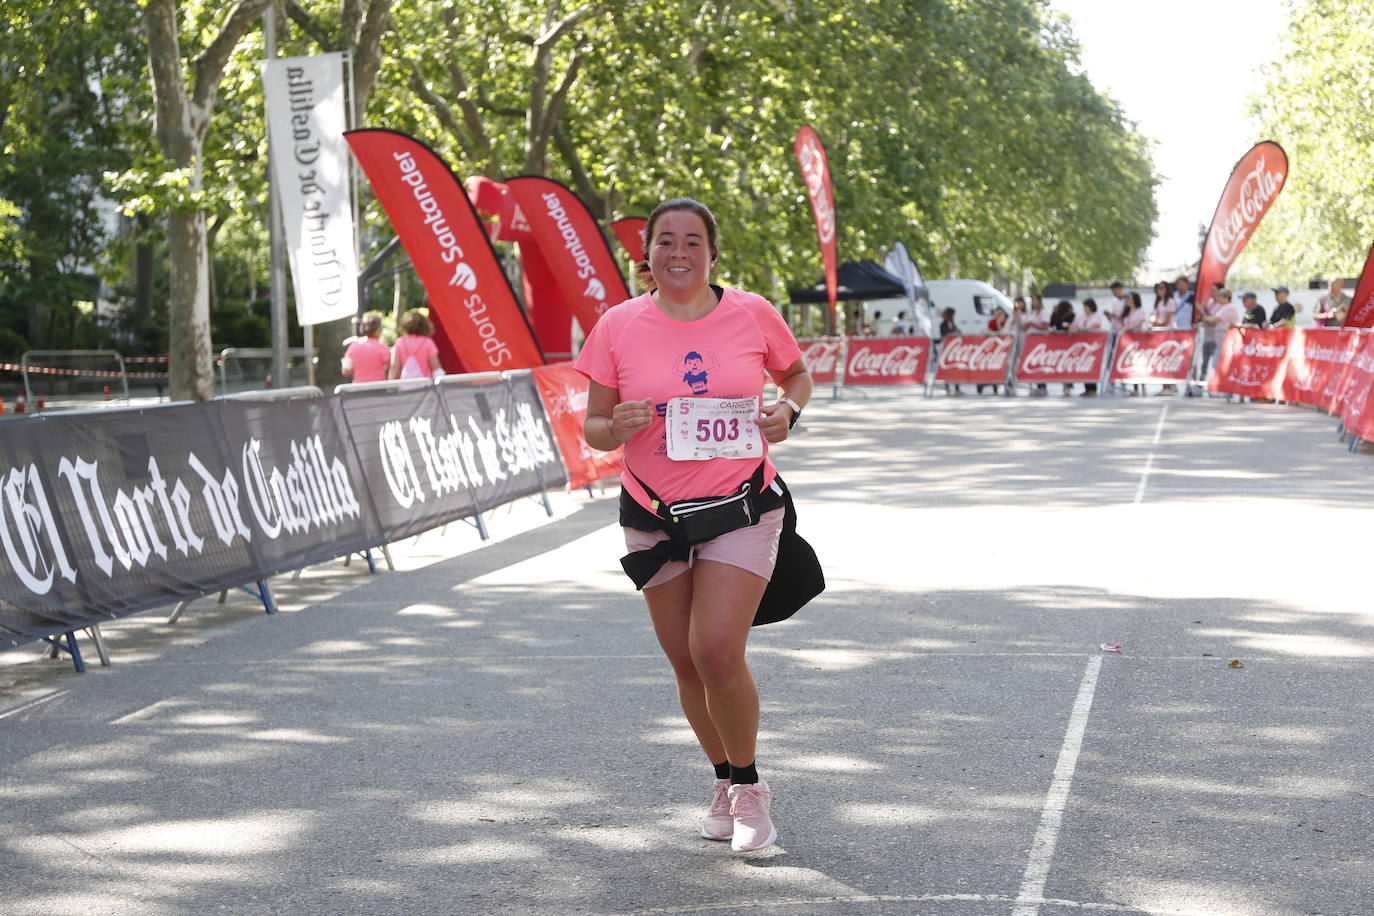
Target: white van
x: 973, y: 302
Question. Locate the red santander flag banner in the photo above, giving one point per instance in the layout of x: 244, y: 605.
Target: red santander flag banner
x: 564, y: 392
x: 1361, y: 314
x: 1252, y: 362
x: 572, y: 245
x: 977, y: 359
x: 471, y: 301
x: 887, y: 361
x: 1153, y: 356
x: 815, y: 169
x: 1256, y: 180
x: 629, y: 232
x: 821, y: 356
x: 1062, y: 358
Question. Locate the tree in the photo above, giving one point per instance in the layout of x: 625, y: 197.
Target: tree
x: 1317, y: 105
x: 182, y: 114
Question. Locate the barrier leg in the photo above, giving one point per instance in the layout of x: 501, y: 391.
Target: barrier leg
x: 371, y: 566
x: 544, y: 498
x: 178, y: 611
x: 386, y: 553
x: 70, y: 648
x: 100, y: 648
x: 263, y: 594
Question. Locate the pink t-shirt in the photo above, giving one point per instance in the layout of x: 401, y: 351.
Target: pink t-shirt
x: 414, y: 345
x: 643, y: 353
x: 370, y: 358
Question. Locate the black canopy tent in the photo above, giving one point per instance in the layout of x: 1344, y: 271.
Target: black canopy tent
x: 855, y: 281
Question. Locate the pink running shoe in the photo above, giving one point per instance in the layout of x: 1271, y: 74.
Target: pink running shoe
x: 719, y: 823
x: 753, y: 827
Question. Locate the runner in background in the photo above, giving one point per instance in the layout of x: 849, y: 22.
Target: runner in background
x: 702, y: 607
x: 414, y: 354
x: 367, y: 358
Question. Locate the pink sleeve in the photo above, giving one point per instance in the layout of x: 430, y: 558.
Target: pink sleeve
x: 781, y: 346
x: 427, y: 349
x: 596, y: 360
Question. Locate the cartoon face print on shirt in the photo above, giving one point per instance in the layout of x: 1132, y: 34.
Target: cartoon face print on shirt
x: 695, y: 370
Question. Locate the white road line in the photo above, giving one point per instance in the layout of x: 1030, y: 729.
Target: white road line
x: 1031, y: 895
x: 1149, y: 461
x: 23, y: 707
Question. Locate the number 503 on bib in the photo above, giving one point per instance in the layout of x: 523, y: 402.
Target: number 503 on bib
x: 699, y: 429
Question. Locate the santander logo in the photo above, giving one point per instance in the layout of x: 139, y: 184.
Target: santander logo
x: 1078, y: 357
x: 1257, y: 189
x: 464, y: 276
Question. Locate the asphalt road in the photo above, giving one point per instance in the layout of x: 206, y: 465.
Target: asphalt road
x: 491, y: 729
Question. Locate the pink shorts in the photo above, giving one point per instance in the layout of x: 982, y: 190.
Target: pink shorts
x: 753, y: 549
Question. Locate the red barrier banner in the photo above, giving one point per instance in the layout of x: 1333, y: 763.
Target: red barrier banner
x: 1153, y: 356
x: 1355, y: 403
x: 1317, y: 362
x: 821, y: 356
x: 1062, y: 358
x: 887, y: 361
x: 815, y: 169
x: 629, y: 231
x: 1254, y: 183
x: 478, y: 320
x: 1251, y: 362
x: 571, y: 243
x: 1361, y: 314
x: 564, y: 392
x: 976, y: 359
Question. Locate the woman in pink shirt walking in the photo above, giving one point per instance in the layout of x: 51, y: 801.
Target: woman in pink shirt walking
x: 701, y: 351
x: 367, y: 358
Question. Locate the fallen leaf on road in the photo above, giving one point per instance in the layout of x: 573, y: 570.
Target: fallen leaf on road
x: 1208, y: 655
x: 1236, y: 663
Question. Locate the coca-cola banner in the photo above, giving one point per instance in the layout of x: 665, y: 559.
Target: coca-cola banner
x: 482, y: 325
x: 572, y: 245
x: 887, y: 361
x: 979, y: 359
x: 1251, y: 362
x: 821, y: 356
x: 1361, y: 314
x: 815, y: 169
x: 1061, y: 358
x: 1254, y: 183
x: 564, y: 391
x: 1153, y: 356
x: 106, y: 514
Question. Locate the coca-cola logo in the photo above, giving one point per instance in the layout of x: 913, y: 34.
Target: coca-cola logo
x: 812, y: 159
x: 898, y: 362
x: 975, y: 354
x: 1232, y: 230
x: 820, y: 356
x: 1079, y: 357
x: 1169, y: 358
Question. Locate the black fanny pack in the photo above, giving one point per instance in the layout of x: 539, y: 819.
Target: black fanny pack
x: 697, y: 520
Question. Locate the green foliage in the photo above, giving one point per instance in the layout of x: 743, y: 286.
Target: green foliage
x: 1318, y: 105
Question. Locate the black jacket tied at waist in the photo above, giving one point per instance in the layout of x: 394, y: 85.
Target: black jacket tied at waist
x: 797, y: 576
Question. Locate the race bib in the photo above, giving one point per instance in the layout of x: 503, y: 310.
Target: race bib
x: 699, y: 429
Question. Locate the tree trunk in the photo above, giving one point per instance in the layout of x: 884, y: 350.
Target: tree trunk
x: 188, y: 332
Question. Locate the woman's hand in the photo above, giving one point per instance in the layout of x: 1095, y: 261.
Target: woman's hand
x: 775, y: 422
x: 629, y: 417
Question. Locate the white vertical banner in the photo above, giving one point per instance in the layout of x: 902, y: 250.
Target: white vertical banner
x: 310, y: 162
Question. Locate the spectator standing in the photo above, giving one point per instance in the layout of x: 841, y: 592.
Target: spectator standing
x: 1254, y: 316
x: 414, y: 354
x: 1220, y: 317
x: 1116, y: 307
x: 1183, y: 304
x: 899, y: 326
x: 947, y: 327
x: 1136, y: 319
x: 1017, y: 320
x: 1285, y: 314
x: 1333, y: 307
x: 1089, y: 322
x: 1036, y: 321
x: 998, y: 323
x: 367, y: 358
x: 882, y: 327
x: 1060, y: 321
x: 1162, y: 316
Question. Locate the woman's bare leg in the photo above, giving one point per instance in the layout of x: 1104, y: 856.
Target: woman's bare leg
x: 723, y: 601
x: 670, y: 608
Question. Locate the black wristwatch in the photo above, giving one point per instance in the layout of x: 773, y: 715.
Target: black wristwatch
x: 796, y: 410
